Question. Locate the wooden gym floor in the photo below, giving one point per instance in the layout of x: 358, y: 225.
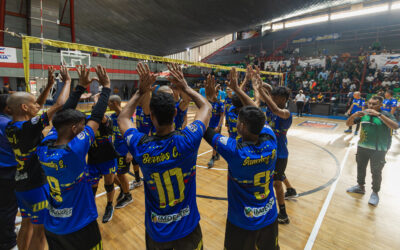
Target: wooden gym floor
x: 316, y: 155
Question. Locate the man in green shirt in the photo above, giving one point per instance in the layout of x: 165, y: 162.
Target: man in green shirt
x: 375, y: 141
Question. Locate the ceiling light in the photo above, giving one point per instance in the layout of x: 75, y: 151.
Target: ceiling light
x: 395, y: 6
x: 307, y: 21
x: 364, y: 11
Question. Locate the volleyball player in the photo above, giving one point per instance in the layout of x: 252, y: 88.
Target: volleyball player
x: 71, y: 216
x: 279, y: 119
x: 358, y: 104
x: 24, y: 134
x: 125, y: 158
x: 252, y: 214
x: 168, y: 163
x: 217, y: 113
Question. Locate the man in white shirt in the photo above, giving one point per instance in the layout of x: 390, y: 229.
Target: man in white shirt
x: 300, y: 100
x: 372, y: 66
x: 386, y: 83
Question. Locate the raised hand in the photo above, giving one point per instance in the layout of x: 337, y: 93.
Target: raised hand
x: 50, y: 75
x: 210, y: 87
x: 233, y: 79
x: 177, y: 78
x: 102, y: 75
x: 64, y: 75
x: 146, y: 78
x: 84, y: 76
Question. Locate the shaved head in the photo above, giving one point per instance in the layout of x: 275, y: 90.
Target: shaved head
x: 165, y: 89
x: 15, y: 101
x: 115, y: 98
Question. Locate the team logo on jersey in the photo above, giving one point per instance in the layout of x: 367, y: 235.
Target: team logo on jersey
x: 81, y: 136
x: 35, y: 120
x: 252, y: 212
x: 192, y: 127
x: 169, y: 218
x: 223, y: 140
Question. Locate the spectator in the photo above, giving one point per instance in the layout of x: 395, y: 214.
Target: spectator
x: 300, y: 100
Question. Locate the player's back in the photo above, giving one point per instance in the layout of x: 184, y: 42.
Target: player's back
x: 280, y: 127
x: 168, y: 164
x: 71, y: 205
x: 251, y: 199
x: 143, y: 121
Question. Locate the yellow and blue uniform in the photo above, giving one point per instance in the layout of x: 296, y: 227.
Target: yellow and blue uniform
x: 280, y: 127
x: 180, y: 116
x: 31, y: 187
x: 358, y: 105
x: 227, y: 105
x: 120, y: 146
x: 251, y: 199
x: 102, y: 157
x: 388, y: 104
x: 7, y: 157
x: 143, y: 122
x: 216, y: 113
x: 168, y: 164
x: 231, y: 119
x: 71, y: 202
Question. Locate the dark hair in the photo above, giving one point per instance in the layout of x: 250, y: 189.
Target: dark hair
x: 236, y: 101
x: 253, y: 117
x: 67, y: 117
x: 281, y: 91
x: 162, y: 106
x: 3, y: 102
x: 390, y: 92
x: 377, y: 97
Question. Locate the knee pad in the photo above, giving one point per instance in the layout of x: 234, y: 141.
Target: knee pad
x: 109, y: 188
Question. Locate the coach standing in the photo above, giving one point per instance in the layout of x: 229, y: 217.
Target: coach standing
x: 8, y: 201
x: 375, y: 141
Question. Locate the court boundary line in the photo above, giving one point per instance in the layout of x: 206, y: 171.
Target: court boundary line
x: 317, y: 225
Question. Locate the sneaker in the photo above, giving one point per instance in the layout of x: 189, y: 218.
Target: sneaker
x: 356, y: 189
x: 120, y: 196
x: 211, y: 162
x: 108, y: 213
x: 124, y: 201
x: 348, y: 131
x: 137, y: 183
x: 217, y: 156
x: 356, y: 133
x: 291, y: 193
x: 283, y: 219
x: 374, y: 199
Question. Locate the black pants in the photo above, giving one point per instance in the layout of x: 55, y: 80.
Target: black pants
x: 377, y: 162
x: 357, y: 127
x: 8, y: 211
x: 300, y: 106
x: 193, y: 241
x: 86, y: 238
x: 238, y: 238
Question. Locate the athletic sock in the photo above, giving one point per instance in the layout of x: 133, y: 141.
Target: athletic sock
x: 109, y: 203
x: 137, y: 176
x: 282, y: 209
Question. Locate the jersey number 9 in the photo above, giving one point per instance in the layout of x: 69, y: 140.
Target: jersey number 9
x: 258, y: 183
x: 55, y: 190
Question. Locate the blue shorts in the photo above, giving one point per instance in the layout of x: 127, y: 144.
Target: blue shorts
x: 96, y: 171
x: 33, y: 203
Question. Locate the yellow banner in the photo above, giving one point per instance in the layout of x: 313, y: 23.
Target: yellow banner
x: 26, y: 40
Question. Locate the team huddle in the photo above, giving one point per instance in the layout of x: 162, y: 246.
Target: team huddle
x: 57, y: 176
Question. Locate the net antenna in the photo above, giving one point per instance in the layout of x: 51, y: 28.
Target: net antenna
x: 72, y: 58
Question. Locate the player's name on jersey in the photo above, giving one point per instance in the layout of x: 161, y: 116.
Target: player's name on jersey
x: 168, y: 218
x: 259, y: 211
x: 251, y: 162
x: 147, y: 159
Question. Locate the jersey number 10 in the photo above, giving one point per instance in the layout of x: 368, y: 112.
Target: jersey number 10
x: 172, y: 201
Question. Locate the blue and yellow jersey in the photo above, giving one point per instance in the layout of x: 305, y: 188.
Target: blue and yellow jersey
x: 227, y: 105
x: 231, y: 119
x: 168, y: 164
x: 71, y: 202
x: 217, y: 112
x: 280, y: 128
x: 388, y: 104
x: 119, y: 142
x: 358, y: 105
x: 180, y: 117
x: 143, y: 122
x: 24, y: 137
x: 251, y: 199
x: 7, y: 157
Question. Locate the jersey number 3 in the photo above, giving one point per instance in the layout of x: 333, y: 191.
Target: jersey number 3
x: 172, y: 201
